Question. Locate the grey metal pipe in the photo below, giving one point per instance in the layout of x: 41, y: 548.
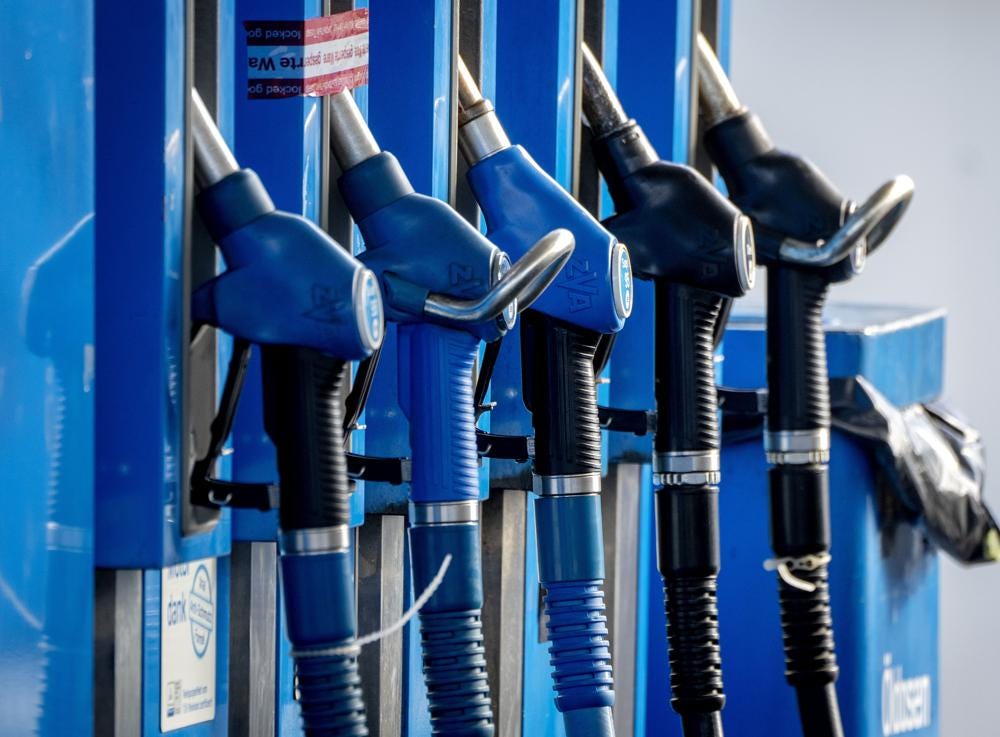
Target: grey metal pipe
x: 717, y: 97
x: 213, y: 159
x: 601, y: 106
x: 351, y: 138
x: 468, y: 91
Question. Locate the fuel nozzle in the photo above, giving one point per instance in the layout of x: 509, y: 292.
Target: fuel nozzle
x: 559, y: 338
x: 520, y: 203
x: 311, y: 305
x: 678, y: 226
x: 800, y: 216
x: 809, y: 236
x: 698, y: 249
x: 463, y: 280
x: 287, y: 282
x: 448, y: 288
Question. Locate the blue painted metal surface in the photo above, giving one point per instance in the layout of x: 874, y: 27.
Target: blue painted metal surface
x: 884, y: 584
x: 47, y: 361
x: 141, y: 181
x: 141, y: 192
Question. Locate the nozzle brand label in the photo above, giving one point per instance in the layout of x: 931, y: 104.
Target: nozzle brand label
x: 370, y: 312
x: 316, y: 57
x: 187, y: 644
x: 623, y: 280
x: 580, y: 284
x: 906, y: 702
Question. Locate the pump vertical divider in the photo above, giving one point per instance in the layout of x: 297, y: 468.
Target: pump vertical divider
x: 281, y: 140
x: 154, y: 380
x: 534, y: 60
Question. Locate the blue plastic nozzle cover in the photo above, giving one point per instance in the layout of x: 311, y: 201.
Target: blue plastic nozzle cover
x: 521, y: 203
x: 287, y: 282
x: 416, y: 244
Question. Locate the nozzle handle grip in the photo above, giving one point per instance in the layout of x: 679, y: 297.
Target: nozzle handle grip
x: 304, y: 416
x: 686, y: 401
x: 799, y: 395
x: 559, y: 390
x: 436, y: 388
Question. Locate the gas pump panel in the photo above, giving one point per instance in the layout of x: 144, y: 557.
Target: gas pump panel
x: 162, y: 580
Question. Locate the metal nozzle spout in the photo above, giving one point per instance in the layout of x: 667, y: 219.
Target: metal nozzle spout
x: 468, y: 91
x: 479, y: 131
x: 601, y: 107
x: 350, y: 137
x: 213, y: 159
x: 717, y: 96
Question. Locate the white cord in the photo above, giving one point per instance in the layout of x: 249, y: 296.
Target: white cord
x: 785, y: 566
x: 355, y: 647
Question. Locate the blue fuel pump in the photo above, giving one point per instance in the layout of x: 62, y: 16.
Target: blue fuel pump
x: 323, y: 308
x: 809, y: 236
x: 698, y: 249
x: 560, y: 336
x: 448, y: 288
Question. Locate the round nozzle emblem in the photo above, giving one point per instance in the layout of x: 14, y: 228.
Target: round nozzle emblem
x: 745, y: 252
x: 368, y: 309
x: 621, y: 280
x: 501, y: 265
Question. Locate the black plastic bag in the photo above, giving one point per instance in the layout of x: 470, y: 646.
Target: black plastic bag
x: 933, y: 462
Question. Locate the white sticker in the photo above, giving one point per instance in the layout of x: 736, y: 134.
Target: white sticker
x: 187, y: 644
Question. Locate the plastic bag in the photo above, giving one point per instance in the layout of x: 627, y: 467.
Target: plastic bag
x: 933, y: 463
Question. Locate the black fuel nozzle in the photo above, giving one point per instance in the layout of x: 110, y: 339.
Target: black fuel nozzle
x: 800, y: 216
x: 698, y: 249
x: 810, y: 236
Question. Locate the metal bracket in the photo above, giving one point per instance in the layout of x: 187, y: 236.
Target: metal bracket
x: 636, y: 421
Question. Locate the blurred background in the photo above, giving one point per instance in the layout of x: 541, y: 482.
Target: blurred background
x: 872, y: 88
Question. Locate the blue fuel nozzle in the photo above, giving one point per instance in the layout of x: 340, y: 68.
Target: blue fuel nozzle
x: 559, y: 340
x: 287, y: 282
x: 521, y: 203
x: 448, y: 288
x: 312, y: 306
